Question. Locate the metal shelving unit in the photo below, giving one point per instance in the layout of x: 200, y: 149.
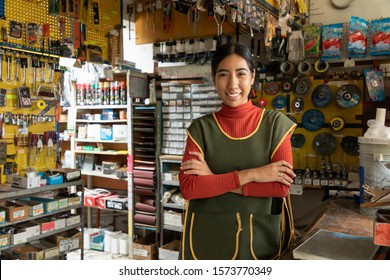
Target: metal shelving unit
x: 10, y: 193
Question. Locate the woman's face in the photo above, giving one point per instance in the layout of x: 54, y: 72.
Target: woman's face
x: 233, y: 80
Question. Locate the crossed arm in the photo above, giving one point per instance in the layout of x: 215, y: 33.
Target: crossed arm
x: 273, y: 179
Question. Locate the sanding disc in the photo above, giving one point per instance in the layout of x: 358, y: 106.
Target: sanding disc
x: 337, y: 123
x: 302, y: 87
x: 279, y: 101
x: 271, y: 88
x: 324, y: 143
x: 313, y: 120
x: 350, y: 145
x: 298, y: 140
x: 321, y: 96
x: 298, y: 104
x: 348, y: 96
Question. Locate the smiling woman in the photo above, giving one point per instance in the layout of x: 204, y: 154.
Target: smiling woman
x: 237, y: 170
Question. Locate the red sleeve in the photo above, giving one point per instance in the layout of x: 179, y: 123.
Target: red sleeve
x: 193, y: 187
x: 272, y: 189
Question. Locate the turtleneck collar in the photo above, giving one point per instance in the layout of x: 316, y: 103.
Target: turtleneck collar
x: 236, y: 112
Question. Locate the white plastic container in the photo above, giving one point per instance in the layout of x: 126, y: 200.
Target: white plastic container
x: 374, y: 158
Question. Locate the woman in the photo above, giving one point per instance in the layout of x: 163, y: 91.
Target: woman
x: 237, y: 170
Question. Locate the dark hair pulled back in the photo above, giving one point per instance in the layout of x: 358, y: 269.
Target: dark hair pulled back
x: 232, y: 48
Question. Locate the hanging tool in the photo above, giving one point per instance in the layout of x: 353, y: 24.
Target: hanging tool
x: 153, y: 9
x: 195, y: 18
x: 35, y: 65
x: 23, y: 64
x: 219, y: 28
x: 167, y: 16
x: 130, y: 11
x: 9, y: 57
x: 39, y: 147
x: 17, y: 63
x: 50, y: 65
x: 1, y: 65
x: 42, y: 64
x: 147, y: 9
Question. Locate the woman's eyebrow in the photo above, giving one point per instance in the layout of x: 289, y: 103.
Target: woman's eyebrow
x: 238, y: 69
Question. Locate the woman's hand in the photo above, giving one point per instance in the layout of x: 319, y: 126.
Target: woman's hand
x: 280, y: 171
x: 196, y: 166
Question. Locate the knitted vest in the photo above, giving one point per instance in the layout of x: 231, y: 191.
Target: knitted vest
x: 232, y: 226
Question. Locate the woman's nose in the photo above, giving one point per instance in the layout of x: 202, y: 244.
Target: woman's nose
x: 232, y: 82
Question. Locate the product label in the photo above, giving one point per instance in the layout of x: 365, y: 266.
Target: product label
x: 140, y: 252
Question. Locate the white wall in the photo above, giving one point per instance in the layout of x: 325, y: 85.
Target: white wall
x: 322, y: 11
x: 142, y: 55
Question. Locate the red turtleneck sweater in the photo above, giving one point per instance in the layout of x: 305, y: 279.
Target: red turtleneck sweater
x: 237, y: 122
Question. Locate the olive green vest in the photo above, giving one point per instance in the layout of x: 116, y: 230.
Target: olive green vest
x: 231, y: 226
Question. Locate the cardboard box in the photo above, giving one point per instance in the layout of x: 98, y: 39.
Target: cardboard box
x: 19, y: 238
x: 62, y: 202
x: 119, y: 132
x: 106, y: 132
x: 26, y: 182
x: 101, y: 201
x: 145, y: 248
x: 382, y: 227
x: 59, y: 223
x: 74, y: 200
x: 2, y: 217
x: 169, y: 251
x: 67, y: 241
x: 174, y: 219
x: 46, y: 224
x: 117, y: 202
x: 50, y: 250
x: 35, y: 208
x: 5, y: 240
x: 49, y: 205
x: 30, y: 228
x: 73, y: 220
x: 93, y: 131
x: 28, y: 252
x: 14, y: 211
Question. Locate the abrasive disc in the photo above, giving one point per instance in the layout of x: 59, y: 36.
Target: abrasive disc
x: 324, y: 143
x: 337, y: 123
x: 279, y: 101
x: 313, y: 119
x: 321, y: 96
x: 271, y: 88
x: 298, y: 104
x: 350, y: 145
x: 302, y: 87
x: 298, y: 140
x: 348, y: 96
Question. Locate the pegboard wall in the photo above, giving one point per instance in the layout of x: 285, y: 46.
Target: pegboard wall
x: 34, y: 11
x: 306, y: 156
x: 21, y: 127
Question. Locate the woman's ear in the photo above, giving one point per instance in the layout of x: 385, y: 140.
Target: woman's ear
x: 253, y: 77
